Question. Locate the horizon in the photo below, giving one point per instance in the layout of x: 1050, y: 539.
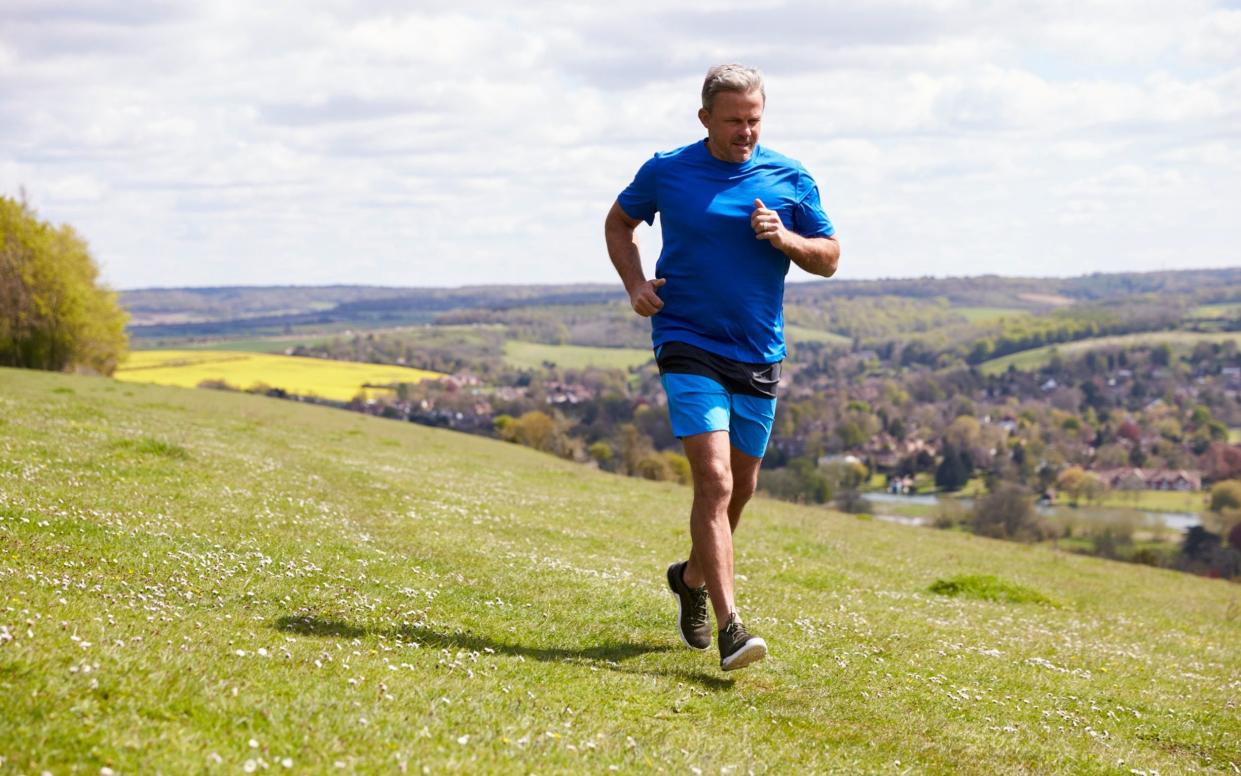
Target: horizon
x: 800, y: 281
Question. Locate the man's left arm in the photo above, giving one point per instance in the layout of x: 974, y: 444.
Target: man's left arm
x: 816, y: 255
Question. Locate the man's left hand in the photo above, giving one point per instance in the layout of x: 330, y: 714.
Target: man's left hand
x: 768, y: 226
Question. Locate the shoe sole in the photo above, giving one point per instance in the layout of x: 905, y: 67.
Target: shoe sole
x: 751, y: 652
x: 681, y: 613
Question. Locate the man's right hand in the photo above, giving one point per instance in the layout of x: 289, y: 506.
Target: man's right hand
x: 644, y: 300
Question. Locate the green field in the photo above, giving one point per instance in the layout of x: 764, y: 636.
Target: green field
x: 805, y: 334
x: 1037, y: 357
x: 335, y: 380
x: 198, y: 581
x: 1226, y: 310
x: 269, y: 345
x: 1157, y: 500
x: 983, y: 314
x: 532, y: 355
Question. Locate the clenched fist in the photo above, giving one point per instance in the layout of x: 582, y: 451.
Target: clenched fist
x: 767, y: 225
x: 644, y: 300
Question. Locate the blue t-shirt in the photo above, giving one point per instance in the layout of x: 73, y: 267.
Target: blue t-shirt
x: 725, y: 288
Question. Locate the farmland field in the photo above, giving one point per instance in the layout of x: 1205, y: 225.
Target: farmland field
x: 535, y: 354
x: 201, y: 581
x: 334, y: 380
x: 1216, y: 311
x: 982, y: 314
x: 263, y: 345
x: 1037, y: 357
x: 805, y: 334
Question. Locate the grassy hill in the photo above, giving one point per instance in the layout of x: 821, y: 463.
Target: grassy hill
x: 196, y: 580
x: 534, y: 354
x: 1039, y: 357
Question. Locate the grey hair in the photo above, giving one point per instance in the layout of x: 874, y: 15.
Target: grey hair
x: 731, y: 78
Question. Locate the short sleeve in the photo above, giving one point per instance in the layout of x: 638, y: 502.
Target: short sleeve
x: 809, y: 220
x: 639, y: 200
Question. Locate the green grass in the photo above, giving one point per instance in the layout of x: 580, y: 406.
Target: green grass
x: 327, y: 587
x: 1157, y: 501
x: 986, y: 587
x: 1038, y: 357
x: 805, y: 334
x: 1234, y: 436
x: 984, y: 314
x: 269, y: 345
x: 533, y: 355
x: 1224, y: 310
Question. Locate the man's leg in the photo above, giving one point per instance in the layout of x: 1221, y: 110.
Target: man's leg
x: 744, y: 470
x: 711, y: 558
x: 745, y: 481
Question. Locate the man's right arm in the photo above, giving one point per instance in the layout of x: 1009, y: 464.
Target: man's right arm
x: 620, y: 232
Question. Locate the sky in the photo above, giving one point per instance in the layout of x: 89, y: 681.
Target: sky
x: 221, y: 142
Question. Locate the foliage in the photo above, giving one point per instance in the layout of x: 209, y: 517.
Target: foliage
x: 1081, y: 485
x: 54, y: 313
x: 954, y: 470
x: 1226, y: 495
x: 987, y: 587
x: 539, y: 431
x: 1008, y: 513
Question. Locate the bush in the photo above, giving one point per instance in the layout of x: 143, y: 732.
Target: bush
x: 853, y: 502
x: 1226, y: 495
x: 1008, y: 513
x: 949, y: 514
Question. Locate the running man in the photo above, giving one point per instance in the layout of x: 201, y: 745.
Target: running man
x: 733, y: 214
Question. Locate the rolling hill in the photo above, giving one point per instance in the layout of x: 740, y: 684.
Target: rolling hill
x: 197, y: 580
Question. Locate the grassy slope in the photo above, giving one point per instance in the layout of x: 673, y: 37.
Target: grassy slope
x: 796, y: 334
x: 984, y: 314
x: 534, y: 354
x: 1038, y: 357
x: 435, y: 599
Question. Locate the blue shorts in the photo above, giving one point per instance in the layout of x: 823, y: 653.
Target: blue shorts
x: 698, y: 404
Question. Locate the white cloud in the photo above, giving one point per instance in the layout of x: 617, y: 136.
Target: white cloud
x: 231, y: 142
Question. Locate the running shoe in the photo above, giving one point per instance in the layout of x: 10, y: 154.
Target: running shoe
x: 738, y: 648
x: 694, y: 615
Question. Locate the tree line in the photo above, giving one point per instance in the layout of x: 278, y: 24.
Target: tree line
x: 54, y: 312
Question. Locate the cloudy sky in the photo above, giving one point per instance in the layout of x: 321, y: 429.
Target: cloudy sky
x: 223, y: 142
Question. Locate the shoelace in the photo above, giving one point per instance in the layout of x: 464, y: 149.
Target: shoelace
x: 736, y: 631
x: 699, y: 615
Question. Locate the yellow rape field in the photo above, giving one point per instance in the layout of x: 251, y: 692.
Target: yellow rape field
x: 335, y: 380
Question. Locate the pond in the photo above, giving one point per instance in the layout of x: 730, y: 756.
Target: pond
x: 1179, y: 521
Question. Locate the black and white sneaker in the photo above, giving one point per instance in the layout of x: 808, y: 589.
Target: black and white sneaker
x: 693, y: 616
x: 738, y: 648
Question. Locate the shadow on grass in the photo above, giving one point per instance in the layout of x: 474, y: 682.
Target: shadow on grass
x: 607, y: 655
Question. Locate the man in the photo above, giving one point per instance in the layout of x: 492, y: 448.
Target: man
x: 733, y: 214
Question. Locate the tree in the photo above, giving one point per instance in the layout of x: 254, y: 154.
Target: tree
x: 1081, y: 485
x: 540, y: 431
x: 1008, y: 513
x: 1226, y: 495
x: 54, y: 314
x: 954, y: 471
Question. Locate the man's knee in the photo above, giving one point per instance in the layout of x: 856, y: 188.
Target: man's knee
x: 713, y: 482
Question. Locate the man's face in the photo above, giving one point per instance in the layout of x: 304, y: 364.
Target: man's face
x: 733, y: 124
